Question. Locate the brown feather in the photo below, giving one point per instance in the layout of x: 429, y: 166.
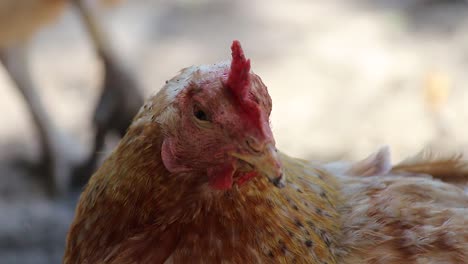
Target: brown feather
x: 403, y: 219
x: 135, y: 211
x: 449, y: 168
x: 128, y: 209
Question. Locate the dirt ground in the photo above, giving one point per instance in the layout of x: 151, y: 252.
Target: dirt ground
x: 345, y: 77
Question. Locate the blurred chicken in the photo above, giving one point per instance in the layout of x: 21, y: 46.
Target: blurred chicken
x: 198, y: 179
x: 414, y: 212
x: 120, y: 99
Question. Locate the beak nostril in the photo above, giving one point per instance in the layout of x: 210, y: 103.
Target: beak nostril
x: 253, y: 145
x: 266, y: 162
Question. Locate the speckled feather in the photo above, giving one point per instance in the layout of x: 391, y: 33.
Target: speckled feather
x: 400, y: 219
x: 132, y: 201
x: 402, y: 214
x: 134, y: 210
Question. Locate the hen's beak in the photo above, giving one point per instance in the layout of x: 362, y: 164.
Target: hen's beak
x: 265, y: 162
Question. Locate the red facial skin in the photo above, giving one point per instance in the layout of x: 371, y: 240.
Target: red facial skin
x: 237, y: 108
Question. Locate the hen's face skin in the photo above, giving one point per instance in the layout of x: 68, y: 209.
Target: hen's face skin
x: 209, y: 131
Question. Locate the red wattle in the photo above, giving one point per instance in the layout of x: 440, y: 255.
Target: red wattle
x: 246, y: 177
x: 221, y: 177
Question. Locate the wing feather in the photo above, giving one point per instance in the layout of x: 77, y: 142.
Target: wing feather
x: 451, y: 168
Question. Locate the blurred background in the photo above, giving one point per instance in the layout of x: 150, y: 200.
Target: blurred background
x: 346, y: 77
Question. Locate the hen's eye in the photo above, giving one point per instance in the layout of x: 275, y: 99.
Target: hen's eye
x: 200, y: 115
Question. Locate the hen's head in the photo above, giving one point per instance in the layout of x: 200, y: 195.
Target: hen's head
x: 215, y: 122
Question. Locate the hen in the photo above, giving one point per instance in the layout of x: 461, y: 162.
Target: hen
x: 197, y: 179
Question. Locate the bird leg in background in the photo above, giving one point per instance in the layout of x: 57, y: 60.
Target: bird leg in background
x: 120, y: 97
x: 54, y: 167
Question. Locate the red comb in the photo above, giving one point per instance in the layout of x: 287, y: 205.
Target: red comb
x: 238, y: 83
x: 239, y: 74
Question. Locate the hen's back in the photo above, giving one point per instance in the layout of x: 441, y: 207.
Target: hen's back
x: 21, y: 18
x: 406, y: 216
